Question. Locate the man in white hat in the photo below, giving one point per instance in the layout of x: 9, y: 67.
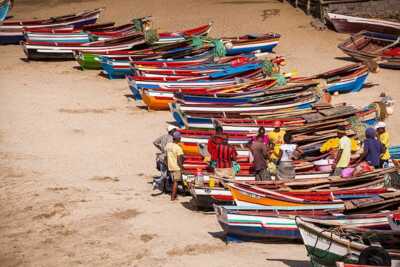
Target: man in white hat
x: 383, y: 137
x: 161, y: 158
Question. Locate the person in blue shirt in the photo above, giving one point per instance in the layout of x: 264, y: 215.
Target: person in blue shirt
x: 373, y: 149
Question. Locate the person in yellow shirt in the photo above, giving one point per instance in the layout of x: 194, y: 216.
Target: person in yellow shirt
x: 383, y: 137
x: 276, y: 139
x: 343, y: 156
x: 175, y: 162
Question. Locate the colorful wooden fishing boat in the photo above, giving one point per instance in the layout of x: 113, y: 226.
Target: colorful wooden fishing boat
x: 115, y: 69
x: 84, y: 35
x: 12, y: 32
x: 92, y: 60
x: 251, y: 196
x: 372, y: 46
x: 353, y: 24
x: 204, y: 197
x: 246, y: 195
x: 269, y: 223
x: 299, y: 103
x: 5, y: 7
x: 326, y: 247
x: 250, y: 122
x: 140, y: 82
x: 39, y: 50
x: 349, y: 78
x: 251, y: 43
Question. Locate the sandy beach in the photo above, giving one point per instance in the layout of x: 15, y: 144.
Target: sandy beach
x: 76, y: 154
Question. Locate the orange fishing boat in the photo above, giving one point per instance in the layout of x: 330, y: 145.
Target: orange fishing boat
x: 248, y: 195
x: 156, y: 100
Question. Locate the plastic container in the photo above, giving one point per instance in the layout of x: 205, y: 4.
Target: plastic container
x: 347, y: 172
x: 200, y: 177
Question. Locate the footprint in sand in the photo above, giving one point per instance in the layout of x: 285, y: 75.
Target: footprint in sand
x: 86, y: 110
x: 78, y: 131
x: 126, y: 214
x: 195, y: 249
x: 55, y: 189
x: 105, y: 179
x: 57, y: 209
x: 147, y: 237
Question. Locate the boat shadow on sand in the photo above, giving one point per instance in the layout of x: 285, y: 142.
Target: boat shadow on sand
x: 291, y: 263
x: 230, y: 238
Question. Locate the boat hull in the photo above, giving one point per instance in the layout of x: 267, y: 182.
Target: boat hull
x: 15, y: 37
x: 350, y: 24
x: 326, y: 248
x: 352, y: 85
x: 271, y: 224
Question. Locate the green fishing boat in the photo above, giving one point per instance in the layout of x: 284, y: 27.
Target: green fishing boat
x: 88, y: 61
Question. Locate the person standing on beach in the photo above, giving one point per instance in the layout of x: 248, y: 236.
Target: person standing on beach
x: 262, y: 135
x: 175, y: 162
x: 161, y: 158
x: 342, y: 160
x: 223, y: 155
x: 276, y: 139
x: 384, y: 138
x: 164, y: 139
x: 226, y: 159
x: 213, y: 142
x: 286, y: 155
x: 260, y: 152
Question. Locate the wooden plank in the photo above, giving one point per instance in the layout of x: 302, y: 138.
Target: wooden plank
x: 390, y: 195
x: 312, y: 117
x: 337, y: 110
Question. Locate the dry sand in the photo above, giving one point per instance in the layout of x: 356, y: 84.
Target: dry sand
x: 76, y: 154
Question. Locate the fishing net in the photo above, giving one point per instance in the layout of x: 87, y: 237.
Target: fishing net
x: 93, y: 37
x: 219, y: 48
x: 280, y: 79
x: 268, y: 67
x: 138, y: 24
x: 197, y: 42
x: 151, y: 36
x: 357, y: 126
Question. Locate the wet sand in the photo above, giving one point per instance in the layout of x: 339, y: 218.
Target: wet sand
x: 76, y: 153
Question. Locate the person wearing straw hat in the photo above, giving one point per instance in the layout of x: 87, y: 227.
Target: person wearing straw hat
x: 175, y: 162
x: 384, y: 138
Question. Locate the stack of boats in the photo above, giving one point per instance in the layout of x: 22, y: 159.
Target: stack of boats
x: 244, y: 90
x: 237, y: 83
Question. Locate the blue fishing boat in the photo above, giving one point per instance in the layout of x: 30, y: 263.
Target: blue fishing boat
x: 351, y: 83
x: 250, y: 43
x: 115, y: 69
x: 346, y: 79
